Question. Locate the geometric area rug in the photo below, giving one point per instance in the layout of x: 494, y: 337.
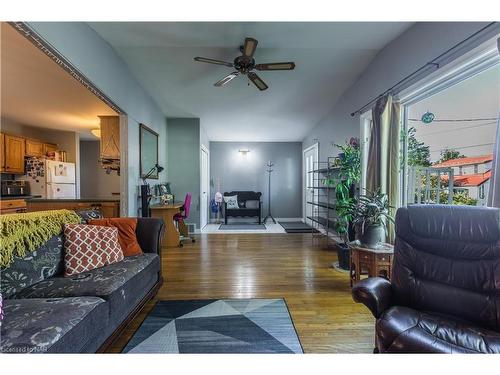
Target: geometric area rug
x: 250, y: 325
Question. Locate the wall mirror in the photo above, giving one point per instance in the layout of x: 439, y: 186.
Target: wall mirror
x: 148, y: 150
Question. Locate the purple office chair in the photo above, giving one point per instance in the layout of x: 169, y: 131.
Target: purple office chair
x: 180, y: 220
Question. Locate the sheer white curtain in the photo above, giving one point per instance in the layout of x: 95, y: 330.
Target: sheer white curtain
x: 494, y: 193
x: 383, y: 153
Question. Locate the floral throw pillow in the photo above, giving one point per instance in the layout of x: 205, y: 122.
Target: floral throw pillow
x: 87, y: 247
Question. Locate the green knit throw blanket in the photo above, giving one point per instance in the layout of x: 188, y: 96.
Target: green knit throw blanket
x: 26, y: 232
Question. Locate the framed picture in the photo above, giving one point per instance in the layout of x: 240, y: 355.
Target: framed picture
x: 148, y: 150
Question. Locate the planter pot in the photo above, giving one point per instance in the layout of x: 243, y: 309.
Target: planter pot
x: 344, y: 255
x: 372, y: 235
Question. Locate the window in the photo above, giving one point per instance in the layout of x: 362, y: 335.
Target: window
x: 443, y: 137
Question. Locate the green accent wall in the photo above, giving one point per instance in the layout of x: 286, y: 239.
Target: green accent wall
x: 183, y: 168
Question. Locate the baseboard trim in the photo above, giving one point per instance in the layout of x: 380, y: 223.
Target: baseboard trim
x: 243, y: 220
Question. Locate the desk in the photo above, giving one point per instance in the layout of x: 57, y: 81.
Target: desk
x: 167, y: 213
x: 374, y: 262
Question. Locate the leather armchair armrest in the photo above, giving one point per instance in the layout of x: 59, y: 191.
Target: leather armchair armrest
x: 375, y: 293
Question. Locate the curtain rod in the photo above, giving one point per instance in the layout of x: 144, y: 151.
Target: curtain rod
x: 433, y: 62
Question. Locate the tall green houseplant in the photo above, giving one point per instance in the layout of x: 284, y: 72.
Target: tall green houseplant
x: 349, y: 175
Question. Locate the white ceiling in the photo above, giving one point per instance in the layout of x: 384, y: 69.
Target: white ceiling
x: 328, y: 56
x: 37, y: 92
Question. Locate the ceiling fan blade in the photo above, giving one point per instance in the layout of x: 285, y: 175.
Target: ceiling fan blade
x: 276, y: 66
x: 226, y: 79
x: 261, y: 85
x: 249, y: 47
x: 213, y: 61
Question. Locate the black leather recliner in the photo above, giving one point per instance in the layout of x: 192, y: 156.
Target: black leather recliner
x: 444, y: 296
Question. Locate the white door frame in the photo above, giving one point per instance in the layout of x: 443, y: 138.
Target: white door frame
x: 203, y: 148
x: 304, y: 177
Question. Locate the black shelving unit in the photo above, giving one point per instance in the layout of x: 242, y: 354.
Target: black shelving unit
x: 323, y: 204
x: 323, y: 216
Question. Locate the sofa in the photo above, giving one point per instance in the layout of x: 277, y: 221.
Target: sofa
x: 249, y: 205
x: 83, y: 313
x: 444, y: 294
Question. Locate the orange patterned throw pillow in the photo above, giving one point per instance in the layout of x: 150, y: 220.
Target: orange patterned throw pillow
x: 88, y: 247
x: 126, y: 233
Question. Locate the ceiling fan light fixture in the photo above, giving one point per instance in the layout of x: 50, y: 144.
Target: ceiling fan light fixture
x: 245, y: 64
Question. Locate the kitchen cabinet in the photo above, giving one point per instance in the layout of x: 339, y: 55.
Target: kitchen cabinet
x: 108, y: 208
x: 48, y: 147
x: 110, y: 137
x: 2, y: 152
x: 14, y: 149
x: 34, y: 148
x: 12, y: 206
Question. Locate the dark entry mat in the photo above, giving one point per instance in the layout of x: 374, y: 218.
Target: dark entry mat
x: 297, y: 227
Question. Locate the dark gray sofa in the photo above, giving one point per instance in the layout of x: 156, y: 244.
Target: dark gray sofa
x: 46, y: 312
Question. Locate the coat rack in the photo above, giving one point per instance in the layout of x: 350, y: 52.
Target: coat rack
x: 269, y: 170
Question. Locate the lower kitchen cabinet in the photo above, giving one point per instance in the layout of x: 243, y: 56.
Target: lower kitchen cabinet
x: 108, y: 208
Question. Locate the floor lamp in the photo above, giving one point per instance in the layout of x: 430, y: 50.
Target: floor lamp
x: 269, y: 170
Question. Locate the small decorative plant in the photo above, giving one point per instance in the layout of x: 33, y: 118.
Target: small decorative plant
x: 349, y: 163
x: 370, y: 216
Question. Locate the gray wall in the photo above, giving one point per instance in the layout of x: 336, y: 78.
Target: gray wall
x: 414, y: 48
x: 94, y: 182
x: 97, y: 60
x: 184, y: 168
x: 238, y: 172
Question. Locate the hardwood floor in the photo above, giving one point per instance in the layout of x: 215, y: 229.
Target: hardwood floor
x: 269, y: 266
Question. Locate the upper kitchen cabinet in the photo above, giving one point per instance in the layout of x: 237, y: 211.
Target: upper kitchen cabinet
x: 34, y: 148
x: 14, y: 151
x: 48, y: 147
x: 110, y: 138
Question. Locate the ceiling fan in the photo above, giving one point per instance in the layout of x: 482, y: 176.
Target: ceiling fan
x: 245, y: 64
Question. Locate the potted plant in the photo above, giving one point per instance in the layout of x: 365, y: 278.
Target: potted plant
x: 349, y: 174
x: 343, y: 207
x: 370, y: 215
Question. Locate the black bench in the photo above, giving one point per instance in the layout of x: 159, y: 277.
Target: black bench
x: 253, y: 199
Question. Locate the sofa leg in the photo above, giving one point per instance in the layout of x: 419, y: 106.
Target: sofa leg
x: 375, y: 350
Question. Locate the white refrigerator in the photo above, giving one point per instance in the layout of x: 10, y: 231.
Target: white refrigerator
x: 55, y: 181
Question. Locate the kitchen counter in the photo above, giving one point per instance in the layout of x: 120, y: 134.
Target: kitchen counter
x: 82, y: 200
x: 109, y: 207
x: 25, y: 197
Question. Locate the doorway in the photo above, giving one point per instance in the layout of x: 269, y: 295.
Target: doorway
x: 204, y: 185
x: 310, y: 162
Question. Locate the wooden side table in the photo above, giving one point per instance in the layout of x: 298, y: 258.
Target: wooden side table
x: 371, y: 262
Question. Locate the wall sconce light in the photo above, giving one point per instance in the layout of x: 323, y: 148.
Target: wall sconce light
x: 244, y: 151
